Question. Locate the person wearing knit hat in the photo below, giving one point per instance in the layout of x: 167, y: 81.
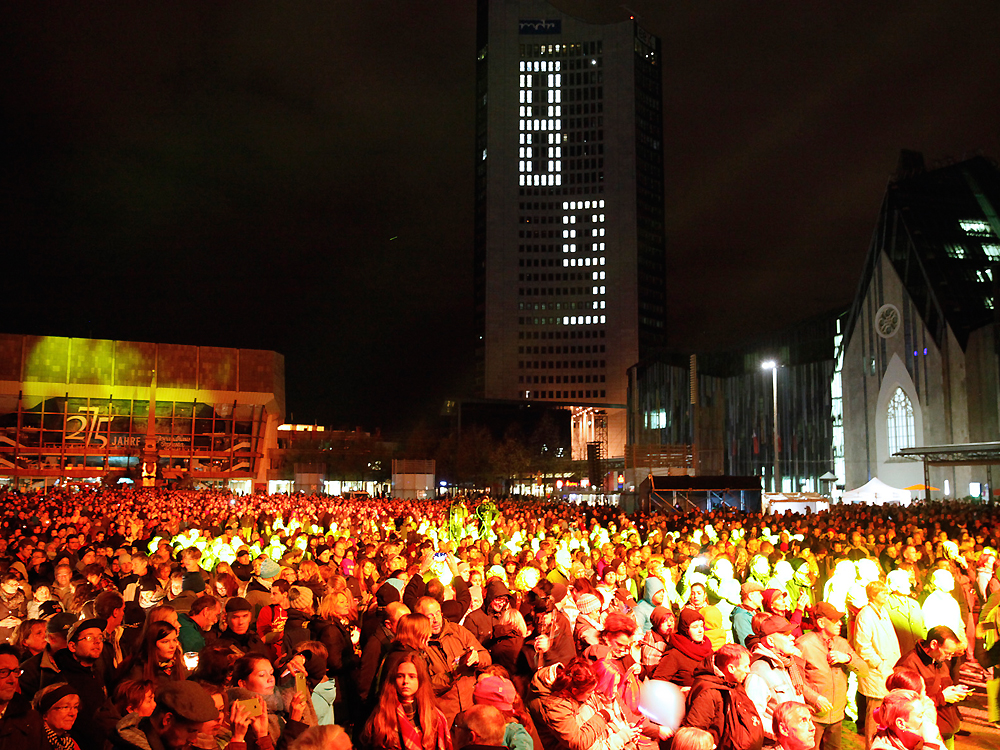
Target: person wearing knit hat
x: 587, y: 629
x: 688, y: 651
x: 301, y: 598
x: 59, y: 705
x: 654, y: 643
x: 588, y: 604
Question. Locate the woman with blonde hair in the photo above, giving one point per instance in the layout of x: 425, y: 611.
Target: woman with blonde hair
x: 336, y: 631
x: 406, y: 717
x: 310, y: 575
x: 692, y: 738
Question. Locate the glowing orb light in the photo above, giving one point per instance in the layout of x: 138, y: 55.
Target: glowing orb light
x: 662, y: 703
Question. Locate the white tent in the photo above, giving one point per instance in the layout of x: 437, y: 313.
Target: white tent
x: 877, y: 492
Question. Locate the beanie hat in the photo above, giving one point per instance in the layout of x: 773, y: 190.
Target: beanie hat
x: 687, y: 619
x: 300, y: 597
x: 588, y: 604
x: 269, y: 568
x: 51, y: 698
x: 387, y: 594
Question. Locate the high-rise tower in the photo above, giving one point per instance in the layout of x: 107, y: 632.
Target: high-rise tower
x: 570, y: 272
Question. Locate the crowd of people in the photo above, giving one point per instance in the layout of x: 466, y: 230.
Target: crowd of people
x: 152, y: 619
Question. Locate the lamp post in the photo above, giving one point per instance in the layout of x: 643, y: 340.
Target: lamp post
x: 773, y: 367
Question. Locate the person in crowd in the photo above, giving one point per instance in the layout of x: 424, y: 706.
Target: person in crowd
x: 288, y: 711
x: 378, y: 645
x: 875, y: 642
x: 826, y: 659
x: 406, y: 717
x: 500, y: 693
x: 135, y: 696
x: 930, y: 659
x: 482, y: 623
x: 198, y: 622
x: 652, y: 597
x: 688, y: 651
x: 20, y: 724
x: 29, y: 638
x: 692, y: 738
x: 712, y: 617
x: 273, y: 617
x: 77, y: 667
x: 751, y: 601
x: 656, y: 640
x: 182, y: 709
x: 569, y: 712
x: 299, y: 615
x: 454, y: 656
x: 719, y: 704
x: 906, y: 721
x: 904, y: 611
x: 479, y: 728
x: 793, y: 727
x: 775, y: 676
x: 158, y: 658
x: 239, y: 633
x: 58, y: 705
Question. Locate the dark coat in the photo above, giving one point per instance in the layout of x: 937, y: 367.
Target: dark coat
x: 21, y: 727
x: 937, y: 676
x: 91, y: 727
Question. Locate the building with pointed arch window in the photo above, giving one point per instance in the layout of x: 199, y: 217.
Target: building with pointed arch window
x: 921, y: 358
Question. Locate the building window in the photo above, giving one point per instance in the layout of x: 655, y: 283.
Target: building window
x: 899, y: 422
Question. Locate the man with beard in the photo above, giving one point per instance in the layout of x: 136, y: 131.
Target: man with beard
x: 483, y: 621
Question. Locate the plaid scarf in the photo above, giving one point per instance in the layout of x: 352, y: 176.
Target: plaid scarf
x: 410, y: 734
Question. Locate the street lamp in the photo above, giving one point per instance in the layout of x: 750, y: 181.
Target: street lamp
x: 773, y: 367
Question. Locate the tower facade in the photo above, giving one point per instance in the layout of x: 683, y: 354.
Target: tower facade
x: 570, y: 268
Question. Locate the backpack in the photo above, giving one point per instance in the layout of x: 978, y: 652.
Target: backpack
x: 742, y: 729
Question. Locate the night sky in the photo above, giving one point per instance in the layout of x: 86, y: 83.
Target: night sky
x: 299, y: 177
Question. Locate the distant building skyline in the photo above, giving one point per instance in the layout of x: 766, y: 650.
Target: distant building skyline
x: 569, y: 212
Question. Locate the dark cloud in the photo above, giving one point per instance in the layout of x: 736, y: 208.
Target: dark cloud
x: 234, y: 173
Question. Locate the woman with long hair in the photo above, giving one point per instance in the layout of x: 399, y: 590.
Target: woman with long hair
x: 406, y: 717
x: 334, y: 627
x: 158, y: 658
x: 310, y: 575
x: 413, y: 633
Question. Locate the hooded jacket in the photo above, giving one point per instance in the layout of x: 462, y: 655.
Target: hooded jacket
x: 483, y: 621
x: 706, y: 707
x: 645, y: 607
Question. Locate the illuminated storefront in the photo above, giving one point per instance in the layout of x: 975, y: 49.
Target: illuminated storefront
x: 80, y: 410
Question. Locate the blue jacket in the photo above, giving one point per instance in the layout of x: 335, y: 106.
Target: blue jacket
x: 645, y: 608
x: 742, y: 625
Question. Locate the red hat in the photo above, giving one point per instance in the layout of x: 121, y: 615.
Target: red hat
x: 494, y: 691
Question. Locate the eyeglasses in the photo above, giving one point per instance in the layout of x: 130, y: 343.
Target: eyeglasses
x: 5, y: 673
x: 90, y: 638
